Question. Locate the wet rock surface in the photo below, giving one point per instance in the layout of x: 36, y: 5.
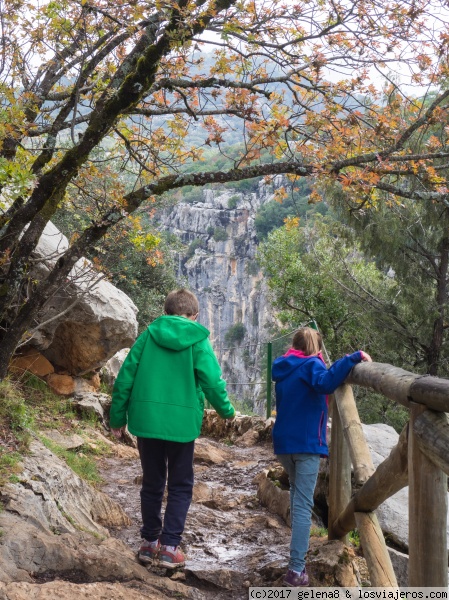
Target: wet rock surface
x: 231, y: 540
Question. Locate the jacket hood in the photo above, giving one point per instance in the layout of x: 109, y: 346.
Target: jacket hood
x: 285, y: 365
x: 176, y: 333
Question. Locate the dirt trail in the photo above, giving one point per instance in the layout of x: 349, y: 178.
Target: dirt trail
x: 232, y: 542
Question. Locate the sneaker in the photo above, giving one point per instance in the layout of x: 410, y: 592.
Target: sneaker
x: 149, y: 551
x: 294, y: 579
x: 171, y: 557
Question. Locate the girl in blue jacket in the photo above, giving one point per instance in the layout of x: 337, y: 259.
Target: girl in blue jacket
x: 299, y: 433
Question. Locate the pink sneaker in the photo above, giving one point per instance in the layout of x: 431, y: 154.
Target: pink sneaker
x: 294, y: 579
x: 171, y: 557
x: 149, y: 551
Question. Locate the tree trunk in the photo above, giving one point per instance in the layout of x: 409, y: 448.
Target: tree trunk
x: 434, y: 351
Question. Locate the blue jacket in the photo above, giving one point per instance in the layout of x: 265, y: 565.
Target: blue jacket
x: 301, y: 406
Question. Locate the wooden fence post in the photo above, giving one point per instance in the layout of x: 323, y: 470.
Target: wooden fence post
x: 390, y: 476
x: 339, y: 473
x: 427, y: 515
x: 432, y: 434
x: 352, y: 428
x: 375, y: 550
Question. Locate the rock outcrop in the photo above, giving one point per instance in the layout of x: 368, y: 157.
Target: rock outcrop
x: 88, y: 320
x: 52, y: 497
x: 55, y: 542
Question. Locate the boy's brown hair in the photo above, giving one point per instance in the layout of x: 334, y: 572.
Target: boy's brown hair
x: 308, y: 340
x: 181, y: 302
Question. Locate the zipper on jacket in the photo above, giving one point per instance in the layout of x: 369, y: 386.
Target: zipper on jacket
x: 319, y: 428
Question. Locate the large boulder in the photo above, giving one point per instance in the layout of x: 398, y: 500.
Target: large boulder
x: 88, y: 320
x: 111, y: 369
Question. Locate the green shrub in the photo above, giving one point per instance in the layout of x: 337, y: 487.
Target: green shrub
x: 10, y: 465
x: 195, y: 244
x: 252, y: 267
x: 235, y: 334
x: 354, y: 537
x: 13, y: 410
x: 232, y: 202
x: 242, y: 406
x: 220, y: 234
x: 318, y: 531
x: 192, y: 194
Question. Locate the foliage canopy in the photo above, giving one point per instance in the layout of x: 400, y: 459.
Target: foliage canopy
x: 99, y: 99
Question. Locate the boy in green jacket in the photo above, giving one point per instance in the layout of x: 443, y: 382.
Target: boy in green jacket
x: 159, y: 393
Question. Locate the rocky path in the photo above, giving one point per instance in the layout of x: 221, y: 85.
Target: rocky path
x: 232, y: 542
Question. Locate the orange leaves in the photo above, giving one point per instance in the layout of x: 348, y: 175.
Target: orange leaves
x: 365, y: 178
x: 315, y: 197
x: 215, y: 131
x: 280, y: 194
x: 433, y: 177
x: 222, y: 65
x: 286, y: 81
x: 291, y: 223
x: 156, y: 258
x: 433, y: 143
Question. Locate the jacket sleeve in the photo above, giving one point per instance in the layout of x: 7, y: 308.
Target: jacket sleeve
x: 123, y: 385
x: 209, y: 377
x: 326, y: 381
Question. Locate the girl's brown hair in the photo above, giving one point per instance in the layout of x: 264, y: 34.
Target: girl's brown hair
x: 181, y: 302
x: 308, y: 340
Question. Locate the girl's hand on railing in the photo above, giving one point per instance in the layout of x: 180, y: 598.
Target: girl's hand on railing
x: 365, y: 357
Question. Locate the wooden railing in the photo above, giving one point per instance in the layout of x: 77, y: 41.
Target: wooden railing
x: 420, y: 460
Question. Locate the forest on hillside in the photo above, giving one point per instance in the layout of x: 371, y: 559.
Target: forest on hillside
x: 112, y: 111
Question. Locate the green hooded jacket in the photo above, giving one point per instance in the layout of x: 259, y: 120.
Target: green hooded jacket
x: 160, y: 389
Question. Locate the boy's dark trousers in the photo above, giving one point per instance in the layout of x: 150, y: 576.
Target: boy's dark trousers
x: 159, y: 458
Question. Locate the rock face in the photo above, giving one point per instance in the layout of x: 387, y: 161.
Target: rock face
x: 111, y: 369
x: 52, y: 497
x: 93, y: 329
x: 92, y: 568
x: 220, y: 267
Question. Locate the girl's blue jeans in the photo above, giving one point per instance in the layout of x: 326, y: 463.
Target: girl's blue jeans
x: 302, y: 470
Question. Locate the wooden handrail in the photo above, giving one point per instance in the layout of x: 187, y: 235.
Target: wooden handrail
x: 379, y: 562
x: 375, y: 550
x: 340, y: 487
x: 402, y: 386
x: 423, y: 463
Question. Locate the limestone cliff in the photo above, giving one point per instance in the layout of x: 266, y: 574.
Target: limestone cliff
x: 219, y: 265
